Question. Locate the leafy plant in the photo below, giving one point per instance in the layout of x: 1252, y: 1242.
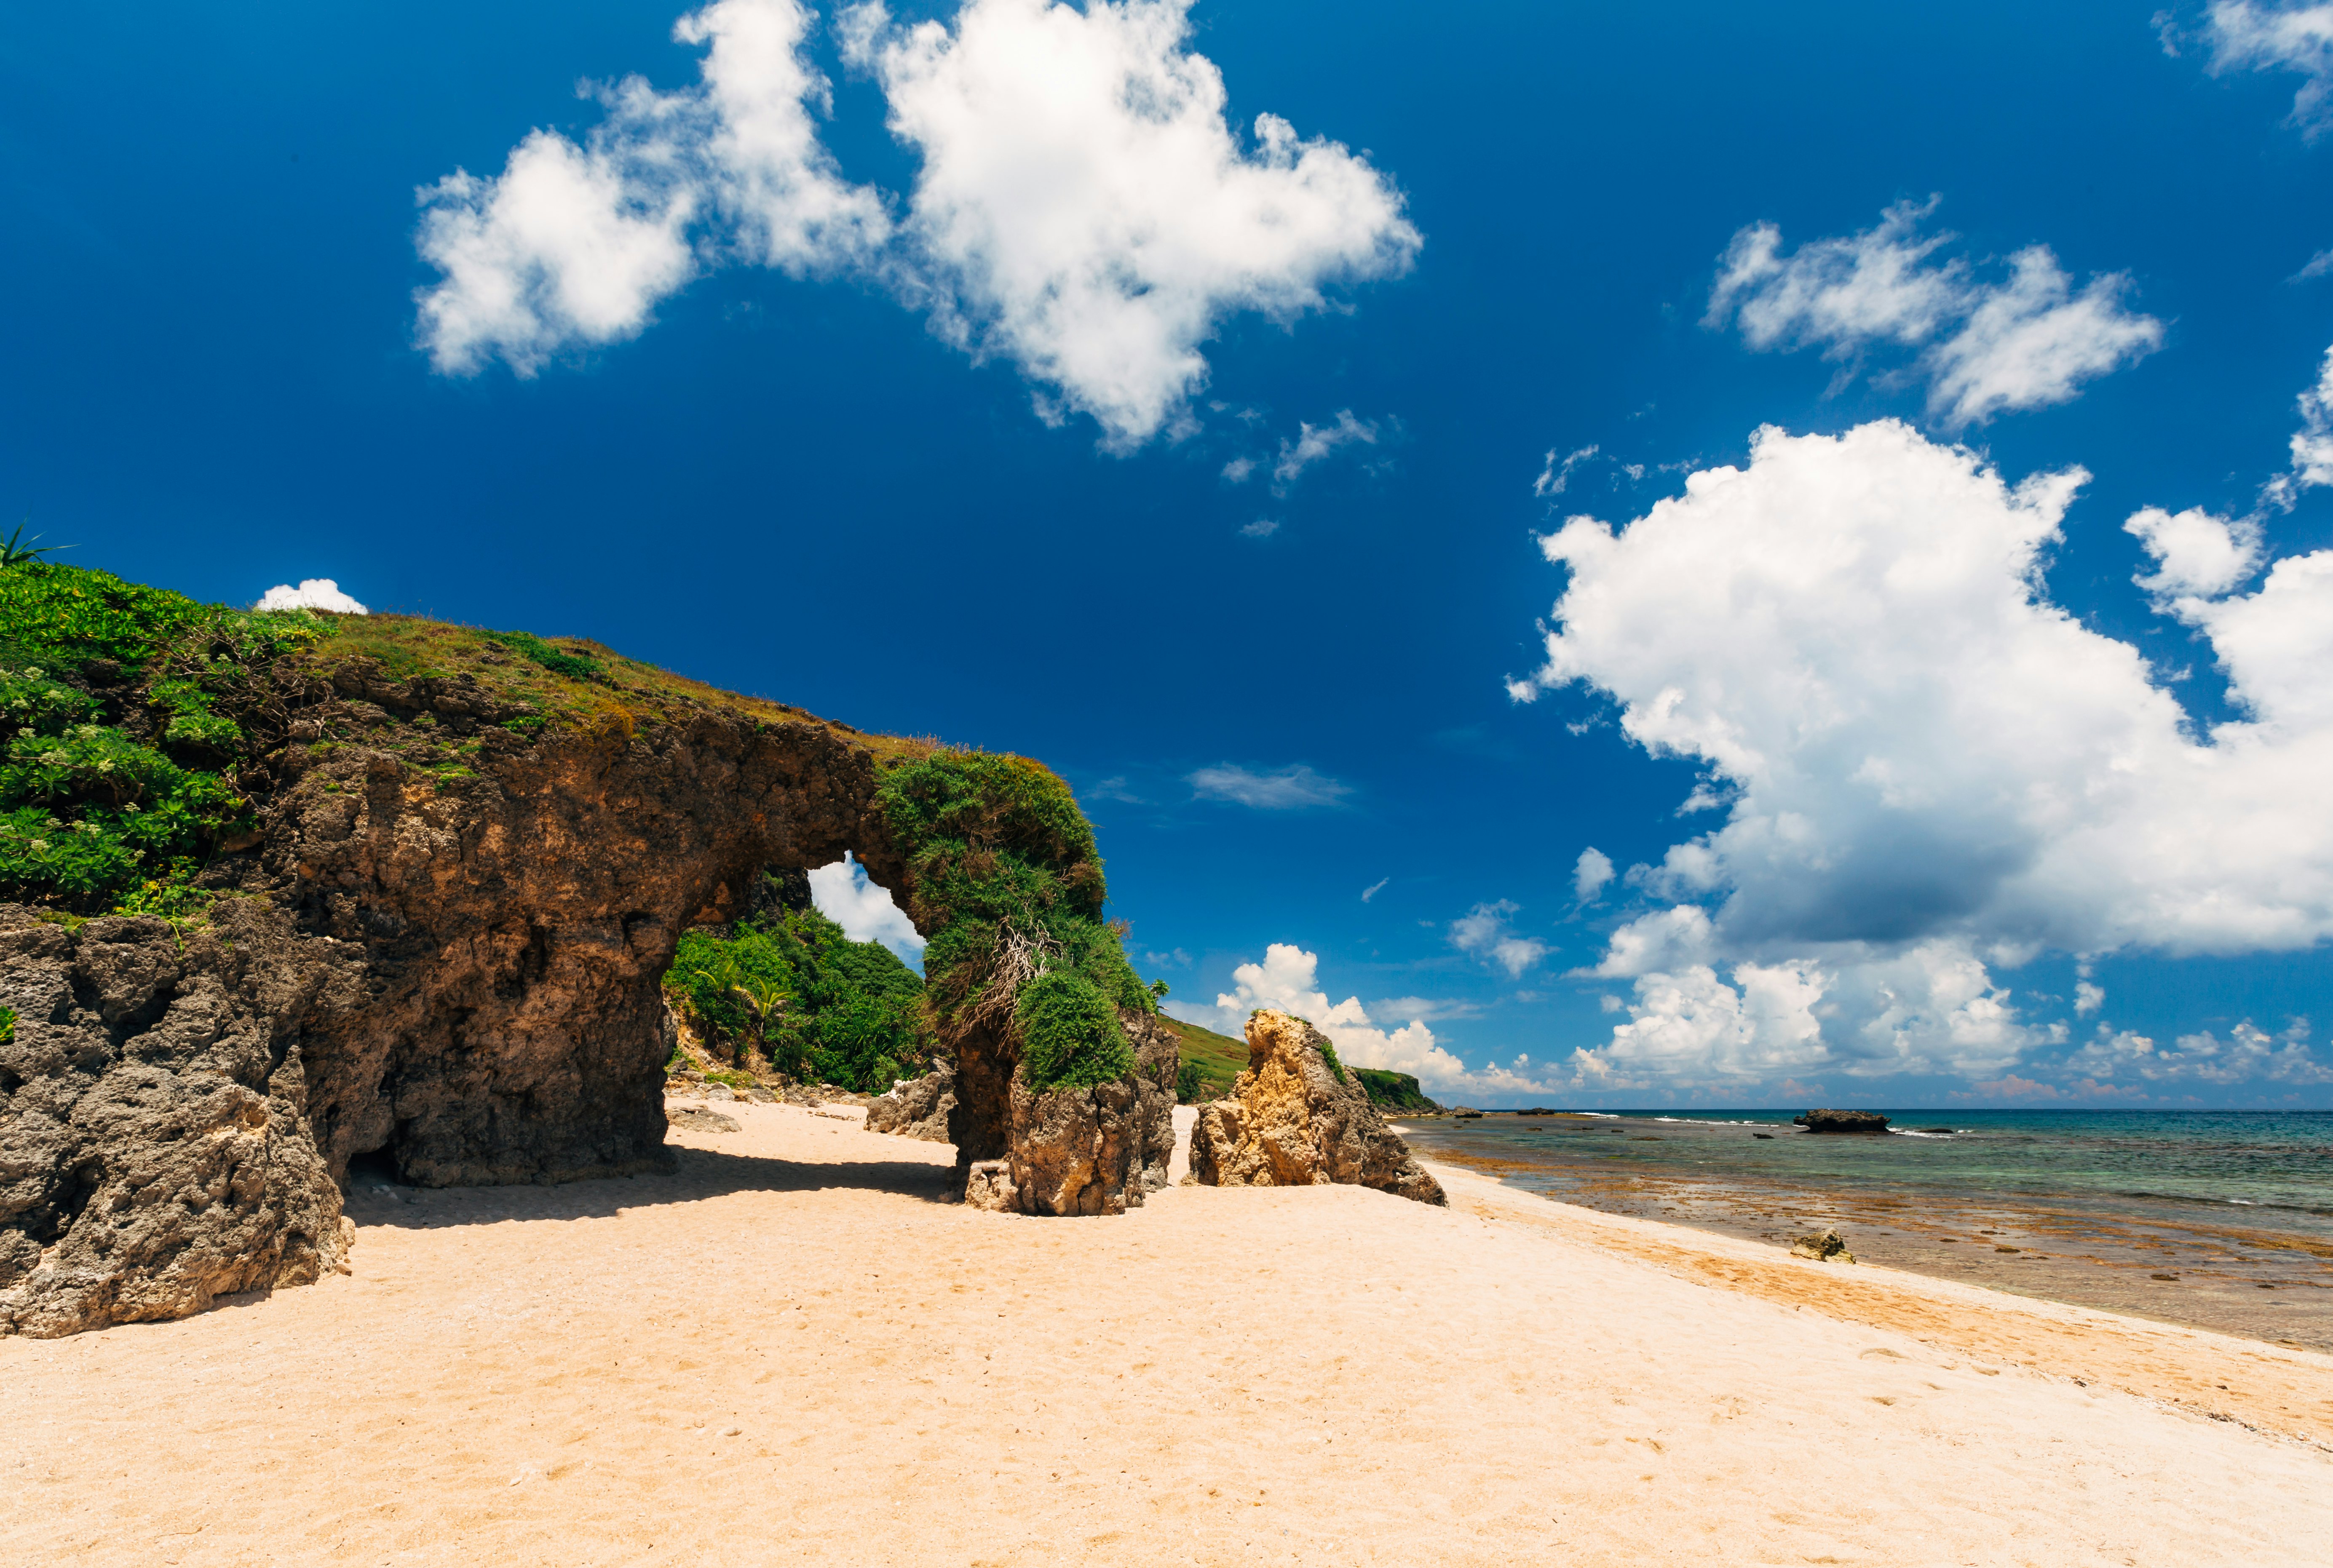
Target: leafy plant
x: 7, y: 1025
x: 1189, y: 1084
x: 1008, y: 885
x: 17, y: 549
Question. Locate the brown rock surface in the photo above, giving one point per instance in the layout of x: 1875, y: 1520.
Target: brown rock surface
x: 916, y: 1107
x: 1294, y: 1121
x: 1102, y: 1150
x: 154, y: 1137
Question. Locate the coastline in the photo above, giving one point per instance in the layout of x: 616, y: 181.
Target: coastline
x: 2183, y: 1264
x: 791, y: 1350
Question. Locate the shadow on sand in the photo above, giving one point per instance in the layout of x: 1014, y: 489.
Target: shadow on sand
x: 699, y: 1174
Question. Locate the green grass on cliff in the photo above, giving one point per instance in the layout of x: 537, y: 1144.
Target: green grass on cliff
x: 1211, y: 1060
x: 1393, y: 1091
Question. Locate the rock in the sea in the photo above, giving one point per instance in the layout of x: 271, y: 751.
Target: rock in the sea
x: 155, y: 1149
x: 1823, y: 1246
x: 1295, y: 1121
x: 698, y: 1119
x: 916, y: 1107
x: 1842, y: 1121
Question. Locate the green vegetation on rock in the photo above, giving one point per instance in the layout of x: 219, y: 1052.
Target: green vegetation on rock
x: 1393, y: 1091
x: 794, y: 992
x: 1008, y: 888
x: 116, y: 782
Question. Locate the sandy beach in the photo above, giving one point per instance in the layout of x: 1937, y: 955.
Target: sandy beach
x: 791, y: 1350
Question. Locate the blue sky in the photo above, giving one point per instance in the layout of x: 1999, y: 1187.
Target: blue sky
x: 1017, y: 390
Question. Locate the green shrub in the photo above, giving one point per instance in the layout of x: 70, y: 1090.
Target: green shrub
x: 817, y: 1005
x: 7, y: 1025
x: 91, y: 817
x: 1329, y: 1055
x: 1190, y: 1083
x: 1007, y: 883
x: 527, y: 646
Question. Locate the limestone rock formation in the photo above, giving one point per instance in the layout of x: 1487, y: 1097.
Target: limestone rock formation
x: 1842, y: 1121
x: 1102, y: 1150
x: 1296, y: 1121
x: 916, y: 1107
x: 1822, y: 1246
x: 434, y: 946
x: 155, y: 1151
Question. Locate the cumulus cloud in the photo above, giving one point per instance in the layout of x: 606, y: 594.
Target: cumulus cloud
x: 2248, y: 1054
x: 1082, y: 208
x: 1085, y: 210
x: 1591, y: 874
x: 2312, y: 444
x: 2196, y: 554
x: 1315, y: 442
x: 1282, y: 790
x: 1486, y: 931
x: 574, y: 245
x: 1932, y: 767
x: 2026, y: 343
x: 864, y: 911
x: 2241, y: 36
x: 1288, y: 979
x: 315, y: 593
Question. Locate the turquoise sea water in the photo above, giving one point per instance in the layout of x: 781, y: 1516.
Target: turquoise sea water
x: 2221, y: 1218
x: 2277, y: 1161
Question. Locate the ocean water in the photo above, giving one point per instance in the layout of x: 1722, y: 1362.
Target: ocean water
x: 2221, y: 1218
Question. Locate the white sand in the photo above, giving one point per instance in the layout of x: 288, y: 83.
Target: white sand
x: 791, y: 1352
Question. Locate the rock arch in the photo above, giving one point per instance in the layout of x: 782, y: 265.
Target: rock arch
x: 459, y: 976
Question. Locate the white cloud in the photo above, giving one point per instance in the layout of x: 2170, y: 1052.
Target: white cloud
x: 1553, y: 477
x: 1374, y: 888
x: 1085, y: 210
x: 1315, y: 442
x: 2195, y: 553
x: 1282, y: 790
x: 1486, y: 931
x: 864, y: 911
x: 2024, y: 343
x: 2248, y: 1054
x: 1287, y: 979
x: 2243, y: 36
x: 315, y: 593
x: 1238, y: 470
x: 574, y: 245
x: 1082, y: 207
x: 1932, y: 767
x: 2089, y: 998
x: 1590, y: 875
x: 1262, y: 527
x: 2312, y: 443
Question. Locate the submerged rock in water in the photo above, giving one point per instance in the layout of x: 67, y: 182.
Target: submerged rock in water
x: 1297, y: 1122
x: 1823, y: 1246
x: 1842, y: 1121
x: 916, y: 1107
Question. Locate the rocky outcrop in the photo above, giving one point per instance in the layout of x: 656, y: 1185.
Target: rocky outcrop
x: 1842, y: 1121
x: 916, y: 1107
x: 1098, y: 1149
x: 438, y: 953
x: 155, y: 1151
x: 1822, y: 1246
x: 1296, y: 1120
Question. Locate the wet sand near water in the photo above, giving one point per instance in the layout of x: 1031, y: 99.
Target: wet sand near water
x: 794, y: 1350
x: 2151, y: 1261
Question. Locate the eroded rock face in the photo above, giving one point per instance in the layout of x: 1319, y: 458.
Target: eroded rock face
x: 155, y: 1151
x: 1828, y: 1121
x: 1294, y: 1122
x: 1078, y: 1151
x: 916, y: 1107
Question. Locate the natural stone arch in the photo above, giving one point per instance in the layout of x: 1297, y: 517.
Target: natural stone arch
x: 461, y: 976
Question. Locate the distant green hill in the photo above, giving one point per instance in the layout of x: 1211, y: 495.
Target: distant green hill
x: 1218, y: 1058
x: 1394, y: 1091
